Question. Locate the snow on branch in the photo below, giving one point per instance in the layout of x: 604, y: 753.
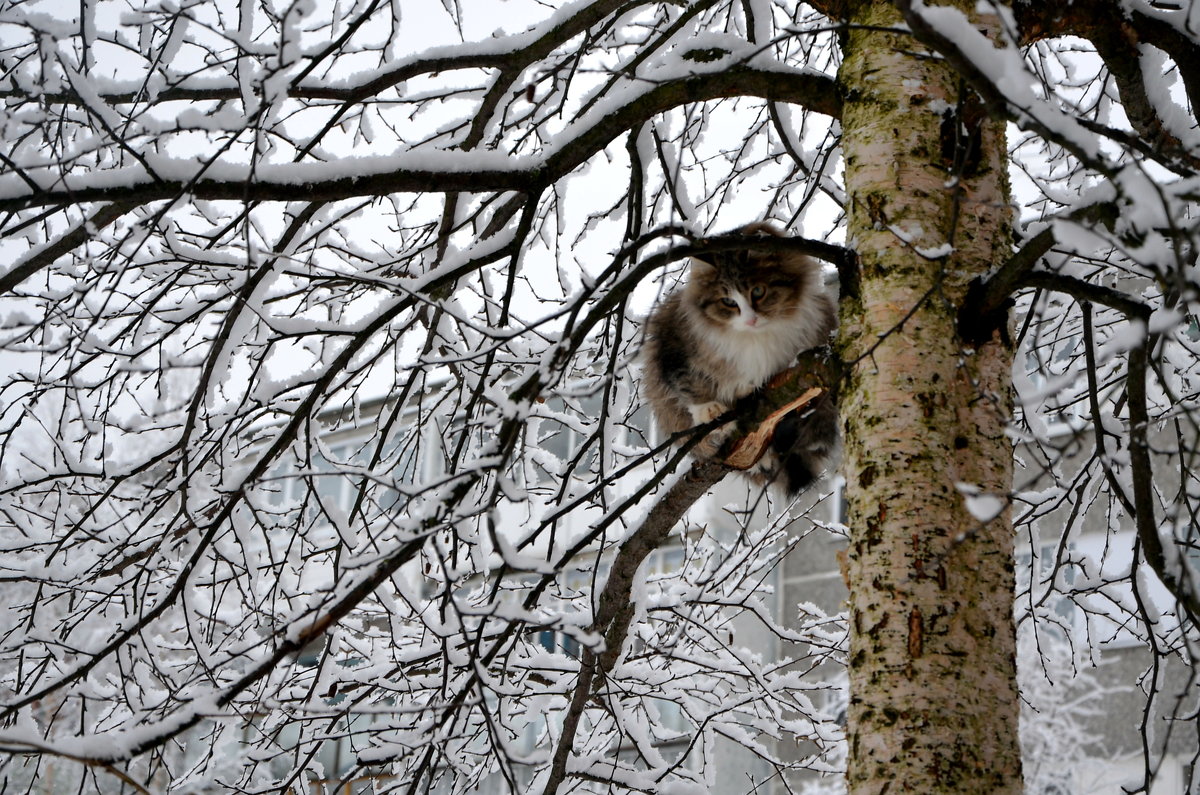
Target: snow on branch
x: 1001, y: 77
x: 420, y: 171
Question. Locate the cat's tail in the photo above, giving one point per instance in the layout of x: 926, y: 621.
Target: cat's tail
x: 803, y: 447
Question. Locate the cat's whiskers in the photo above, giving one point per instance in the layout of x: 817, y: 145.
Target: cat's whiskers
x: 754, y: 354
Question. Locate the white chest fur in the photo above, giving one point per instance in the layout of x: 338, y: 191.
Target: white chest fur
x: 751, y: 356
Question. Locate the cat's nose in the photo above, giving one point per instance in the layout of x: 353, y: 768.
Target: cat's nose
x: 752, y: 320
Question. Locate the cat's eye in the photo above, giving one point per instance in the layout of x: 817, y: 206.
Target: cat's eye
x: 729, y: 302
x: 758, y: 292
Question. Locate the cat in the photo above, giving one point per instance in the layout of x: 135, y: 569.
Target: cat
x: 741, y: 317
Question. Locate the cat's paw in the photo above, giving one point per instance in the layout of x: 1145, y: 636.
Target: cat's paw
x: 702, y: 414
x: 707, y: 412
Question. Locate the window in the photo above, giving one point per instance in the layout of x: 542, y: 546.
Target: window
x: 562, y: 430
x: 1038, y: 583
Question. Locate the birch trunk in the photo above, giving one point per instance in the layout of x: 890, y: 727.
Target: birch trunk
x: 933, y: 690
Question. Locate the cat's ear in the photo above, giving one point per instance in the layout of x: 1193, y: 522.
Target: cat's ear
x: 701, y: 266
x: 762, y: 229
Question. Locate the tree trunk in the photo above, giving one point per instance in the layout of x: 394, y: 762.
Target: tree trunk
x: 933, y: 692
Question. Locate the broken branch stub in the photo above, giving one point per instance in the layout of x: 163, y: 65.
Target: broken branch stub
x: 751, y: 447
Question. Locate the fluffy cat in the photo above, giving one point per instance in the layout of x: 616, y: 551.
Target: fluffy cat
x: 742, y: 317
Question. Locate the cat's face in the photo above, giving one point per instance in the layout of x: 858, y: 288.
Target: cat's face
x: 748, y: 291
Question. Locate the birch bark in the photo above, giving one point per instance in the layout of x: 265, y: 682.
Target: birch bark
x: 933, y: 690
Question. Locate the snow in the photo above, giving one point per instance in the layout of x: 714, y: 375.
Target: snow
x: 472, y: 569
x: 1167, y: 96
x: 113, y: 745
x: 1004, y: 67
x: 983, y: 507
